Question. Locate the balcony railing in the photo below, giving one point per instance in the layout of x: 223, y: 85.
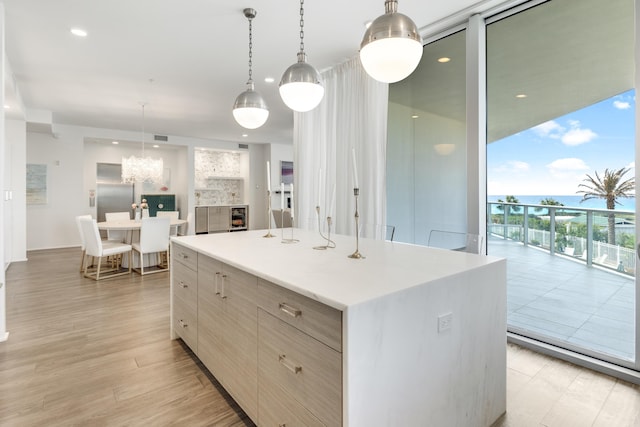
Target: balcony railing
x: 580, y: 233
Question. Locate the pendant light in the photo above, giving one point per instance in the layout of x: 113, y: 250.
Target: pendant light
x: 301, y: 86
x: 250, y: 110
x: 142, y: 169
x: 392, y: 46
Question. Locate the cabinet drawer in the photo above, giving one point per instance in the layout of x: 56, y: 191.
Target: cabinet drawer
x: 185, y: 284
x: 184, y: 255
x: 316, y: 319
x: 278, y: 408
x: 308, y: 370
x: 185, y: 324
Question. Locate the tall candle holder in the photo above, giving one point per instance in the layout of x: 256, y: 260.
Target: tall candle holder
x: 357, y: 254
x: 330, y: 244
x: 269, y: 215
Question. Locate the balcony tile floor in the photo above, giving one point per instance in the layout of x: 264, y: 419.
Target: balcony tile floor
x: 563, y: 300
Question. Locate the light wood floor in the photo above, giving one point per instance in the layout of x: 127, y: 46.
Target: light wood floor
x: 83, y: 353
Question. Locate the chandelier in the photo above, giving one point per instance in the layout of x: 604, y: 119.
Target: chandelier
x: 142, y: 169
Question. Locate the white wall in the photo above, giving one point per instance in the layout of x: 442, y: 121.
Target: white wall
x: 15, y: 182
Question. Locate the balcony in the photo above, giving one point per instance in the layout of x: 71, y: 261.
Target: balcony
x: 577, y: 293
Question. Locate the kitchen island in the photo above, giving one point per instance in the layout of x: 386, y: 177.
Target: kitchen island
x: 409, y: 335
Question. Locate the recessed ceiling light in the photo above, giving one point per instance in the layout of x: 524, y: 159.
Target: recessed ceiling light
x: 155, y: 146
x: 244, y: 135
x: 7, y: 107
x: 521, y: 95
x: 115, y: 142
x: 444, y: 59
x: 79, y: 32
x: 415, y: 116
x: 269, y: 79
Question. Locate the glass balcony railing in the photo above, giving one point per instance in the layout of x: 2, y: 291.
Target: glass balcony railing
x: 601, y: 237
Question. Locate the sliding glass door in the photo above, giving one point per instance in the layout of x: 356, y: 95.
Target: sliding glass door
x: 560, y: 173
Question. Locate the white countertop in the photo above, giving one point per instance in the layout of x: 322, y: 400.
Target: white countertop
x: 329, y: 276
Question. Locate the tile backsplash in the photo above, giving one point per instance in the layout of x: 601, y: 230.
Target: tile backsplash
x: 217, y: 178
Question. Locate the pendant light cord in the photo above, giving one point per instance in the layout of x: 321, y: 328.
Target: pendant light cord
x: 250, y: 51
x: 301, y: 26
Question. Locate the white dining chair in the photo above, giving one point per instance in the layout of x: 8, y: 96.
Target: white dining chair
x: 171, y: 215
x: 97, y: 248
x: 154, y: 238
x: 117, y: 235
x: 82, y: 244
x: 377, y: 231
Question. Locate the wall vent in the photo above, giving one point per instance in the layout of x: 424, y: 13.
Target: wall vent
x: 243, y: 146
x: 164, y: 138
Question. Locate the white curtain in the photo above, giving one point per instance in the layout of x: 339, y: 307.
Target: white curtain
x: 352, y: 116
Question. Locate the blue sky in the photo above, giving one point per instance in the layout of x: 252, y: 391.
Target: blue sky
x: 554, y: 157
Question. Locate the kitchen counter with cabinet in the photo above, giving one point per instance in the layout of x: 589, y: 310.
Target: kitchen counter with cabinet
x: 221, y: 218
x: 409, y: 335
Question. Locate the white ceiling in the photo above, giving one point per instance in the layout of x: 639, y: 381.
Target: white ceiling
x: 188, y: 60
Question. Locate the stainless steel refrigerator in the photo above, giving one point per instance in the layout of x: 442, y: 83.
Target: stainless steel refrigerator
x: 111, y: 194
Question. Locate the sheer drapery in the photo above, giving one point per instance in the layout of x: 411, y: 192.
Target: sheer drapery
x: 352, y: 115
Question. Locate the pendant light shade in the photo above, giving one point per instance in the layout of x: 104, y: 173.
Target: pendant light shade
x: 250, y: 110
x: 301, y: 86
x: 392, y: 46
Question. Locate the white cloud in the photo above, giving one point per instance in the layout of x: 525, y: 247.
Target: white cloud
x: 513, y: 166
x: 561, y: 167
x: 577, y: 136
x: 572, y: 137
x: 621, y: 105
x: 550, y: 129
x: 631, y: 165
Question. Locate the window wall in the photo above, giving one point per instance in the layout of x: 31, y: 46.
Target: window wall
x: 426, y: 148
x: 560, y: 105
x: 541, y: 78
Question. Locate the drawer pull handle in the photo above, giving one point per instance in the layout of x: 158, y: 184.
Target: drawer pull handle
x: 182, y: 323
x: 183, y: 255
x: 183, y: 285
x: 216, y: 282
x: 291, y: 311
x: 293, y: 368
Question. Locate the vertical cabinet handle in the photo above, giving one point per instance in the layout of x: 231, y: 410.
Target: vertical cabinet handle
x: 296, y: 369
x: 222, y: 294
x: 291, y: 311
x: 216, y: 282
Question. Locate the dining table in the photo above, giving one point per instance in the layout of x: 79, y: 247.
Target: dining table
x: 132, y: 228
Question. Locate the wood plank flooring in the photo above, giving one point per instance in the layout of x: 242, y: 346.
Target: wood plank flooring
x: 82, y: 353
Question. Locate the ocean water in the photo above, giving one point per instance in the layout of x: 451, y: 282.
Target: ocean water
x: 572, y: 201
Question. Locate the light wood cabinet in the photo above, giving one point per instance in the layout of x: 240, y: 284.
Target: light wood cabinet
x: 227, y: 313
x: 302, y: 369
x: 184, y: 291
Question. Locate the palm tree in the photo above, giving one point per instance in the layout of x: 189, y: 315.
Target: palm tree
x: 610, y: 187
x: 510, y: 208
x: 548, y: 201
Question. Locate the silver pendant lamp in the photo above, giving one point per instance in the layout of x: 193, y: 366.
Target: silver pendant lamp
x: 250, y: 110
x: 301, y: 85
x: 392, y: 46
